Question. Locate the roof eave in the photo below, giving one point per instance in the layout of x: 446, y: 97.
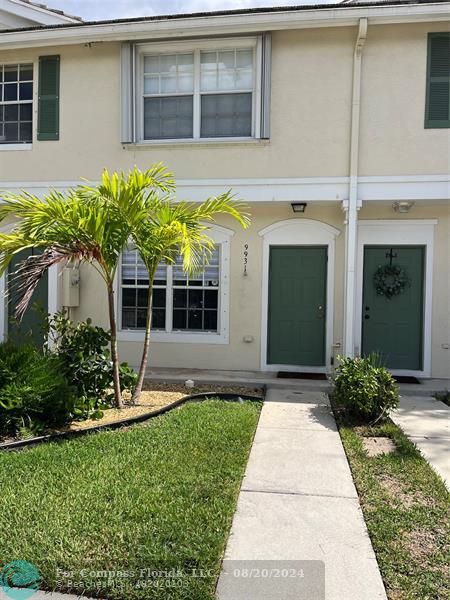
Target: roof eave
x: 214, y: 25
x: 29, y: 9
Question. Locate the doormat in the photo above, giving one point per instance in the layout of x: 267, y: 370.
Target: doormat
x: 292, y: 375
x: 406, y: 379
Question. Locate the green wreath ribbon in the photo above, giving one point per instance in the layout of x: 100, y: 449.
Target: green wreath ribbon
x: 390, y: 280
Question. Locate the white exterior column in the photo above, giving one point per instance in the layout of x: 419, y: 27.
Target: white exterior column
x: 352, y: 206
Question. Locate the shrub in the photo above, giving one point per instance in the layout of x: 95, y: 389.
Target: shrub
x: 83, y: 351
x: 34, y: 393
x: 365, y: 389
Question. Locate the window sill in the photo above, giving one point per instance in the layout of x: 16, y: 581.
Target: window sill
x: 15, y: 147
x: 177, y: 337
x: 219, y: 142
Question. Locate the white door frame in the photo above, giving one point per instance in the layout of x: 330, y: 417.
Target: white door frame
x: 53, y: 295
x: 298, y: 232
x: 396, y: 232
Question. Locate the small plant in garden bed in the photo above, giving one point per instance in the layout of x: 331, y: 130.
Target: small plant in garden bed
x: 87, y: 364
x: 34, y: 394
x: 364, y: 389
x: 71, y: 380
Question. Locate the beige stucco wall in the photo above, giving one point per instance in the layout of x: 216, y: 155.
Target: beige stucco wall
x: 311, y: 101
x: 246, y: 294
x: 393, y: 138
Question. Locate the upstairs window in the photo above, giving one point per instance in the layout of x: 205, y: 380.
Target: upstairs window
x: 196, y: 90
x: 201, y: 94
x: 437, y: 113
x: 16, y: 104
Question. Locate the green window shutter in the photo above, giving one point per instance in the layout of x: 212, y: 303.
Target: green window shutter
x: 437, y: 114
x: 48, y: 101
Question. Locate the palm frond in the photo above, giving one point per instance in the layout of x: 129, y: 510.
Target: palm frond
x: 10, y: 245
x: 132, y: 189
x: 171, y: 228
x: 29, y: 273
x: 226, y: 205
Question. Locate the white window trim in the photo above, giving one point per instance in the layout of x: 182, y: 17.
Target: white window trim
x: 399, y: 232
x: 221, y: 236
x: 196, y: 47
x: 18, y: 146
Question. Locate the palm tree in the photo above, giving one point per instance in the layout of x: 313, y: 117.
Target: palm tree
x: 179, y: 229
x: 68, y: 228
x: 161, y: 229
x: 95, y: 224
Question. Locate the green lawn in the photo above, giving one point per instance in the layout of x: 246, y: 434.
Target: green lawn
x: 157, y: 496
x: 406, y: 508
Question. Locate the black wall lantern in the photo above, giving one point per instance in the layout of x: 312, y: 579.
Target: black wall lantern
x: 299, y: 207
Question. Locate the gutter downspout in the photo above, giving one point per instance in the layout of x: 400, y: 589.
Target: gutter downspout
x: 352, y: 205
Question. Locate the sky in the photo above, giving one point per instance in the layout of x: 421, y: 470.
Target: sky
x: 112, y: 9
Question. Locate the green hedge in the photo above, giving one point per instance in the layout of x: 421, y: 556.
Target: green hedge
x: 34, y: 394
x: 365, y: 389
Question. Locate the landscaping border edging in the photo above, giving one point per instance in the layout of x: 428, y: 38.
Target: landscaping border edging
x: 65, y: 435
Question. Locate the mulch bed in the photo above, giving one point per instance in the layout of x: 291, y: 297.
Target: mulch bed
x: 155, y: 397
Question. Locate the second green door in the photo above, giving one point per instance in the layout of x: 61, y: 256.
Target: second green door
x: 393, y: 326
x: 30, y: 329
x: 297, y: 305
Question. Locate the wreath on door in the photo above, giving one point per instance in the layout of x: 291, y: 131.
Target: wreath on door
x: 390, y: 281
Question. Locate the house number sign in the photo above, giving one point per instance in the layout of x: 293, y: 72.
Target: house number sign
x: 245, y: 259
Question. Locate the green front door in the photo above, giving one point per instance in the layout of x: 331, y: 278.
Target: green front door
x: 393, y: 327
x: 297, y: 305
x: 29, y: 330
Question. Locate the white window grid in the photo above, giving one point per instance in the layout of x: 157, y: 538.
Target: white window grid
x: 153, y: 50
x: 138, y: 272
x: 167, y: 272
x: 183, y: 72
x: 201, y: 282
x: 19, y: 81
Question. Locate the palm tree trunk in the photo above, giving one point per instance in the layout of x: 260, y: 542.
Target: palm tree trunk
x: 145, y: 351
x: 114, y: 351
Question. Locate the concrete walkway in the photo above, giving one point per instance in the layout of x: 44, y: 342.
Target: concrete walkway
x: 426, y: 422
x: 427, y: 387
x: 298, y: 503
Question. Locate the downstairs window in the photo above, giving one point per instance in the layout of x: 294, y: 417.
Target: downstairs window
x: 181, y: 303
